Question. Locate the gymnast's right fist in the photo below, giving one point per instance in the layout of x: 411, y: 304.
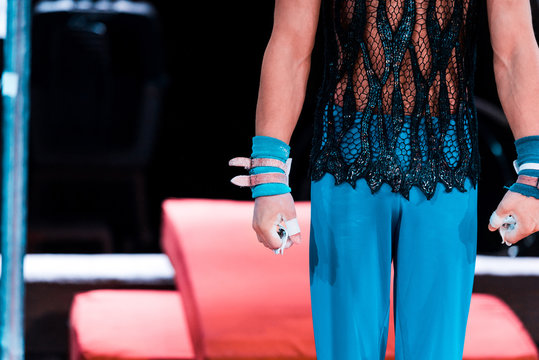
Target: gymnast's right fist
x: 270, y: 212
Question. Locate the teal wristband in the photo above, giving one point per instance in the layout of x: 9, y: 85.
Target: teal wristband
x: 527, y: 153
x: 273, y: 148
x: 269, y: 189
x: 525, y: 190
x: 270, y: 147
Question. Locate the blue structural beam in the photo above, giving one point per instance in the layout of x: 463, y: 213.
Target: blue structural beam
x: 16, y: 103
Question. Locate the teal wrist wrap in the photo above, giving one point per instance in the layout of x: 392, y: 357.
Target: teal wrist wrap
x: 269, y: 147
x: 527, y: 152
x: 525, y: 190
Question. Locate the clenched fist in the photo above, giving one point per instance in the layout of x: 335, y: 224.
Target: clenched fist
x: 524, y: 209
x: 269, y: 212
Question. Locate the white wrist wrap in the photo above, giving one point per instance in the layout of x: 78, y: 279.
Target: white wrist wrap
x: 526, y: 166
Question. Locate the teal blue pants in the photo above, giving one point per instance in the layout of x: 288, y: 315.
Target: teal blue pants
x: 355, y: 235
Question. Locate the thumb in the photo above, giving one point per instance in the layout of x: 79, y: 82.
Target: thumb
x: 294, y: 232
x: 497, y: 219
x: 296, y: 239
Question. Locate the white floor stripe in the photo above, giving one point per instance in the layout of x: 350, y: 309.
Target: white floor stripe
x: 507, y: 266
x: 156, y: 268
x: 76, y: 268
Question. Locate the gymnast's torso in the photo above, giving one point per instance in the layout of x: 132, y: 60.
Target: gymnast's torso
x: 396, y: 102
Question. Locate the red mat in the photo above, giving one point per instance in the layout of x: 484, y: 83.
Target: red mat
x: 244, y: 302
x: 243, y: 299
x: 129, y: 324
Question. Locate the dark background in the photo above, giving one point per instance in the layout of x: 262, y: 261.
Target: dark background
x: 129, y: 111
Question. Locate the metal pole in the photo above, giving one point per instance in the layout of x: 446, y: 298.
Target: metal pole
x: 15, y: 96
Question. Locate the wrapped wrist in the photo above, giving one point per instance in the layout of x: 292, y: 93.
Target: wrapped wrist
x: 268, y: 167
x: 525, y: 190
x: 270, y: 147
x: 527, y: 166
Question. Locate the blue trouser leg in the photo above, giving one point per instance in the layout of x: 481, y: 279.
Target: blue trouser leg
x: 354, y: 235
x: 434, y: 270
x: 350, y: 263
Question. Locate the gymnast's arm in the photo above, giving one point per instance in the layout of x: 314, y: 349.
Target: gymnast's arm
x: 516, y: 69
x: 283, y: 82
x: 285, y: 67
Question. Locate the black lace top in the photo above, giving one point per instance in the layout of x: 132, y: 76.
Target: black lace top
x: 396, y: 103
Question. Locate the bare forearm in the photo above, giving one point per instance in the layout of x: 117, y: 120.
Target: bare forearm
x: 518, y: 88
x: 281, y: 95
x: 516, y: 64
x: 285, y: 68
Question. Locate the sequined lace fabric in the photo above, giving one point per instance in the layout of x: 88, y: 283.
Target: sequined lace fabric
x: 396, y: 102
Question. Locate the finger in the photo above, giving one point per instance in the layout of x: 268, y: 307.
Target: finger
x: 517, y: 234
x: 263, y: 235
x: 292, y: 227
x: 279, y: 237
x: 511, y: 237
x: 270, y: 238
x: 496, y: 220
x: 262, y: 240
x: 268, y: 233
x: 296, y: 239
x: 289, y: 243
x: 503, y: 234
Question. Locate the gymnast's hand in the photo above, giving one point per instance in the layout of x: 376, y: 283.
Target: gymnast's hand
x: 524, y: 209
x: 269, y: 212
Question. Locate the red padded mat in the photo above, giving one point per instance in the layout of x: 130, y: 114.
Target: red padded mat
x: 244, y: 302
x: 129, y: 324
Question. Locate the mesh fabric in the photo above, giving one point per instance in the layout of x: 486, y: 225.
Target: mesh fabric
x: 396, y: 103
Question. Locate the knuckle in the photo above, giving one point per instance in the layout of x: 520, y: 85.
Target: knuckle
x: 502, y: 208
x: 256, y: 226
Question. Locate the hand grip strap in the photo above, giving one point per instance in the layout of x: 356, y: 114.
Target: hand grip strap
x: 529, y: 180
x: 265, y: 178
x: 269, y: 167
x: 249, y: 163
